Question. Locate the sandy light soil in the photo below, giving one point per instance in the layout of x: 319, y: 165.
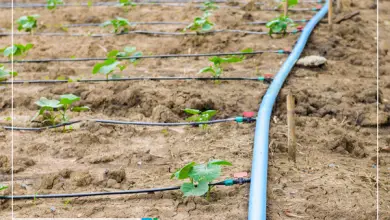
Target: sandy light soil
x: 334, y: 177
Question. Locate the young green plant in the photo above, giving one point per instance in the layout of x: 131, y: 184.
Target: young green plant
x: 199, y: 176
x: 16, y: 50
x: 201, y: 24
x: 279, y: 25
x: 209, y: 6
x: 2, y: 187
x: 199, y: 116
x: 54, y: 110
x: 216, y: 69
x: 121, y: 25
x: 5, y: 74
x: 27, y: 23
x: 52, y: 4
x: 112, y: 63
x: 126, y: 4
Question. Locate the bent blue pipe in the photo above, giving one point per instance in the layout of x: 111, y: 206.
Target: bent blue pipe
x: 258, y: 187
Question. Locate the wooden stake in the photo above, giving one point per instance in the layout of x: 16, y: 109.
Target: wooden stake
x: 285, y: 7
x: 330, y: 12
x: 338, y: 6
x: 292, y: 145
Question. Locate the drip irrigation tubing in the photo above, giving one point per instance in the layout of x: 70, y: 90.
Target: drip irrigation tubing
x: 146, y: 33
x: 236, y: 119
x: 156, y: 3
x: 264, y: 79
x: 258, y: 187
x: 167, y: 23
x: 149, y: 57
x: 227, y: 182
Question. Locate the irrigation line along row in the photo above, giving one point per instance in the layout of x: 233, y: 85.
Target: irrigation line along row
x: 115, y: 4
x: 149, y: 56
x: 168, y: 23
x: 146, y: 33
x: 113, y: 122
x: 264, y: 79
x: 228, y: 182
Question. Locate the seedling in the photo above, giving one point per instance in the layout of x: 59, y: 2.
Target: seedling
x: 279, y: 25
x: 291, y: 3
x: 5, y: 74
x: 209, y: 6
x: 126, y: 3
x: 16, y: 50
x: 54, y: 110
x: 201, y: 24
x: 200, y: 176
x: 128, y: 52
x: 216, y: 69
x: 199, y: 116
x: 2, y: 187
x: 111, y: 63
x: 121, y: 25
x: 52, y: 4
x: 27, y: 23
x: 107, y: 67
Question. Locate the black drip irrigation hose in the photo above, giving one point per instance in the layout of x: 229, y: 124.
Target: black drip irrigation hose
x: 146, y: 33
x: 149, y: 57
x: 167, y: 23
x: 264, y: 79
x: 113, y: 122
x: 228, y: 182
x: 156, y: 3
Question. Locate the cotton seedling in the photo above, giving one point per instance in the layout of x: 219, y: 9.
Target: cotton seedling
x: 279, y: 25
x: 107, y: 67
x: 125, y: 4
x: 127, y: 52
x: 2, y: 187
x: 216, y: 69
x: 16, y: 50
x: 199, y: 116
x: 52, y: 4
x: 121, y: 25
x: 200, y: 176
x: 54, y: 110
x: 5, y: 74
x: 209, y: 6
x: 201, y: 24
x: 27, y: 23
x: 291, y: 3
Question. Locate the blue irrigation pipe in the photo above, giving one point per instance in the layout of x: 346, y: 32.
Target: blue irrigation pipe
x: 258, y: 187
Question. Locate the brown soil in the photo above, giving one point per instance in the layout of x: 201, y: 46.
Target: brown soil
x: 334, y: 177
x: 384, y: 104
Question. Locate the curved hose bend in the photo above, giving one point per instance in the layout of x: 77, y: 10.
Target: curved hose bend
x: 258, y: 186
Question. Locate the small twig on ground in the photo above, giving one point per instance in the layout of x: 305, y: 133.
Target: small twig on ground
x: 346, y: 17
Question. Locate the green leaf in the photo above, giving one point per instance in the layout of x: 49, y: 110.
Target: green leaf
x: 130, y: 50
x: 208, y: 114
x: 219, y: 162
x: 192, y: 111
x: 189, y: 189
x: 182, y: 173
x: 204, y: 172
x: 44, y: 102
x: 112, y: 54
x: 107, y: 67
x: 80, y: 109
x: 3, y: 187
x: 207, y: 69
x: 68, y: 99
x: 247, y: 50
x: 193, y: 118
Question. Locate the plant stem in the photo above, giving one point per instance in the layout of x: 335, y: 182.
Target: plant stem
x: 208, y: 194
